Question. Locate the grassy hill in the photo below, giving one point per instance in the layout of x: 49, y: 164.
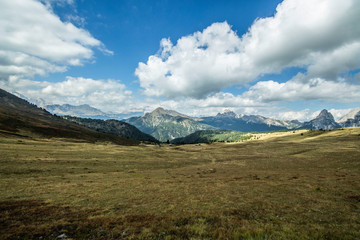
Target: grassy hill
x: 114, y: 127
x: 19, y: 117
x: 213, y: 135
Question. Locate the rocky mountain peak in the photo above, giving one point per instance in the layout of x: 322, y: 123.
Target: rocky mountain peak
x: 227, y: 113
x: 162, y: 112
x: 159, y: 111
x: 324, y: 114
x: 324, y: 120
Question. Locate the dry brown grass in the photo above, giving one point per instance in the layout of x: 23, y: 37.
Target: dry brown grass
x: 287, y: 187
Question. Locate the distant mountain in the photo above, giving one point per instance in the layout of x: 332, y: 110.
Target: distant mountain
x: 352, y: 119
x: 81, y: 110
x: 21, y: 118
x: 227, y: 114
x: 324, y: 120
x: 212, y: 135
x: 167, y: 124
x: 114, y: 127
x: 246, y: 123
x: 86, y: 111
x: 270, y: 121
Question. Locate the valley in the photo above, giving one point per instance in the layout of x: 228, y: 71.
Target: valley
x: 287, y: 185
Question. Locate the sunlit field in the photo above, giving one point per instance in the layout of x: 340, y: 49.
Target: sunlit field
x: 297, y: 185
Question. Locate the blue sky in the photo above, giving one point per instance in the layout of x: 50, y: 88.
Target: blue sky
x: 133, y: 29
x: 283, y: 59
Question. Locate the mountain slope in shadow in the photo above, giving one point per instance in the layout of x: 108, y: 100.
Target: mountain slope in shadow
x: 19, y: 117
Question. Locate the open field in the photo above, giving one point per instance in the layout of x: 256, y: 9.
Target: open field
x: 288, y: 187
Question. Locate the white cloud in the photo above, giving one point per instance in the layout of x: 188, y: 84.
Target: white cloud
x: 302, y: 87
x: 301, y: 32
x: 33, y: 40
x: 62, y: 3
x: 107, y: 95
x: 322, y: 36
x: 302, y: 115
x: 339, y: 113
x: 20, y: 64
x: 197, y: 65
x: 77, y: 20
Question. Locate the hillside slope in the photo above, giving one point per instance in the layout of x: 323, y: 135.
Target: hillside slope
x: 114, y: 127
x: 19, y: 117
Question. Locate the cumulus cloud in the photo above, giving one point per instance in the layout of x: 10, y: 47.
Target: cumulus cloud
x: 301, y: 87
x: 35, y: 41
x: 197, y: 65
x: 321, y: 36
x: 107, y: 95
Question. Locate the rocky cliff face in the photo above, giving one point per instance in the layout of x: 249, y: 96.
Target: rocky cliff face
x: 324, y: 120
x: 352, y: 122
x: 227, y: 114
x: 352, y: 119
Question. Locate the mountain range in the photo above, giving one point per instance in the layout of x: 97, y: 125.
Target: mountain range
x: 352, y: 119
x: 168, y: 124
x: 85, y: 111
x: 226, y: 119
x: 248, y: 123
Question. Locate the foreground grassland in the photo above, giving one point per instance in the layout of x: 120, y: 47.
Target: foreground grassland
x: 291, y: 186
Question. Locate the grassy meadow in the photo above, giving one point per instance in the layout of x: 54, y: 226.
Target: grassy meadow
x: 293, y: 185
